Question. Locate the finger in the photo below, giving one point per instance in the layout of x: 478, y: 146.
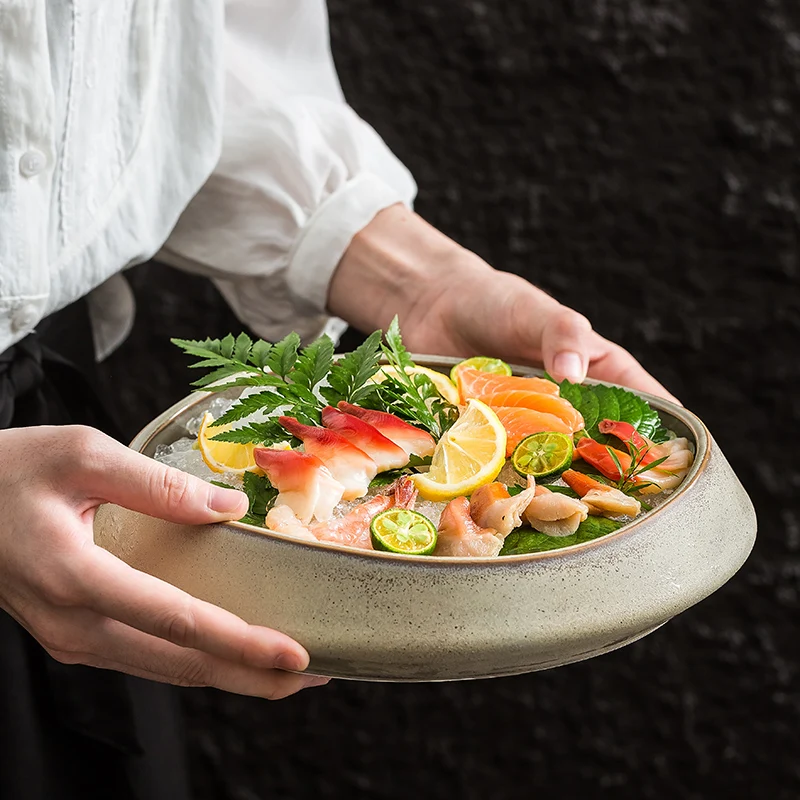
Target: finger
x: 566, y: 340
x: 617, y: 365
x: 114, y: 473
x: 111, y: 588
x: 109, y: 644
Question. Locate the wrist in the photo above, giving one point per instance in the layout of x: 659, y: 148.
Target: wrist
x: 398, y: 264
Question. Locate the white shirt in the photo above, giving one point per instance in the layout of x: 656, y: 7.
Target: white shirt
x: 214, y: 134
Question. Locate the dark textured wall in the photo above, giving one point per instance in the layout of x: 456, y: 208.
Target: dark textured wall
x: 641, y: 161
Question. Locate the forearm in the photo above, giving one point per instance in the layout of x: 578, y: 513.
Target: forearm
x: 393, y: 265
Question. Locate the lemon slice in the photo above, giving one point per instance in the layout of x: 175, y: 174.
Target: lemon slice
x: 446, y: 388
x: 223, y: 456
x: 469, y: 455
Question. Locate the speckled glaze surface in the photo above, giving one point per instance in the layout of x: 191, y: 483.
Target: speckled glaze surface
x: 376, y: 616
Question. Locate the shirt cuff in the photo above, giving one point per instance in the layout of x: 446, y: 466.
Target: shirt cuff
x: 328, y: 232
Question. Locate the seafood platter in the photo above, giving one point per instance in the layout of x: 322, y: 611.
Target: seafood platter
x: 415, y: 518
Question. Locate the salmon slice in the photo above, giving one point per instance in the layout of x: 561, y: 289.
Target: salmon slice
x: 475, y: 383
x: 545, y: 403
x: 521, y: 422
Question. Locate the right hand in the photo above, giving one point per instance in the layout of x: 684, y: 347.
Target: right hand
x: 85, y: 606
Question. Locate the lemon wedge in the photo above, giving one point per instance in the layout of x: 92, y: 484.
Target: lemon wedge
x: 223, y: 456
x: 469, y: 455
x: 446, y: 388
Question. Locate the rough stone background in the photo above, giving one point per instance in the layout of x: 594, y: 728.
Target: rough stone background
x: 638, y: 159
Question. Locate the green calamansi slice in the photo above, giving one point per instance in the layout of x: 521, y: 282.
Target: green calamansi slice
x: 484, y: 364
x: 542, y: 455
x: 400, y: 530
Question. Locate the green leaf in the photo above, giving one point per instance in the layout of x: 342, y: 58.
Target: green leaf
x: 261, y: 494
x: 262, y: 401
x: 283, y: 355
x: 349, y: 374
x: 394, y: 340
x: 241, y: 350
x: 608, y: 408
x: 265, y: 433
x: 650, y: 423
x: 314, y: 363
x: 589, y: 408
x: 631, y: 407
x: 527, y: 540
x: 260, y: 353
x: 226, y: 346
x: 572, y: 393
x: 564, y: 490
x: 513, y: 491
x: 217, y: 375
x: 663, y: 434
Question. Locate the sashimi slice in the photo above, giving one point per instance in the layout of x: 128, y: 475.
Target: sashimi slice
x: 546, y: 403
x: 476, y: 383
x: 491, y: 506
x: 601, y: 500
x: 384, y: 452
x: 303, y: 482
x: 349, y: 465
x: 522, y: 422
x: 460, y: 535
x: 413, y: 440
x: 282, y: 519
x: 553, y: 513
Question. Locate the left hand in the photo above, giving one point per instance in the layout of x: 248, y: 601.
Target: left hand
x: 451, y: 302
x: 500, y: 314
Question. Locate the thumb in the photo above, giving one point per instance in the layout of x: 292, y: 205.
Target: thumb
x: 566, y: 342
x: 139, y: 483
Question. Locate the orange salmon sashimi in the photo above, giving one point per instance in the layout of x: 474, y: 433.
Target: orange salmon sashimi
x: 521, y: 422
x: 544, y: 403
x: 478, y: 384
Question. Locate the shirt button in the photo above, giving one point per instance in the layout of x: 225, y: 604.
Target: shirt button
x: 24, y: 318
x: 32, y: 163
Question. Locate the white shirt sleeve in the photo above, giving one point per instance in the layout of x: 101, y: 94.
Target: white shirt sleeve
x: 299, y: 175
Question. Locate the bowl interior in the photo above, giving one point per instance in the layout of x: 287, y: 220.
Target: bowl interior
x: 171, y: 424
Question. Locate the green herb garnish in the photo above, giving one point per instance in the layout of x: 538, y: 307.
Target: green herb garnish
x: 527, y: 540
x: 291, y: 378
x: 261, y: 494
x: 598, y: 402
x: 414, y: 398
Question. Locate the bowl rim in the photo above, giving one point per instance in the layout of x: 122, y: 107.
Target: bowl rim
x: 700, y: 432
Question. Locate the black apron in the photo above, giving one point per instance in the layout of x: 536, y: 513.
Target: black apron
x: 74, y: 732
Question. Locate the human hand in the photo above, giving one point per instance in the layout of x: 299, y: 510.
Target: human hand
x: 451, y: 302
x: 85, y: 606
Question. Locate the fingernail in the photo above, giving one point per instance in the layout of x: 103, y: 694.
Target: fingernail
x: 289, y: 661
x: 316, y: 680
x: 570, y: 366
x: 227, y: 501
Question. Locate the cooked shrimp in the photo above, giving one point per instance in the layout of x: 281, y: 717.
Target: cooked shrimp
x: 353, y: 528
x: 553, y: 513
x: 491, y: 506
x: 460, y: 535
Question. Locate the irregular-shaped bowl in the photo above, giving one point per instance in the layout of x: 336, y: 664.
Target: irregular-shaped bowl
x: 378, y: 616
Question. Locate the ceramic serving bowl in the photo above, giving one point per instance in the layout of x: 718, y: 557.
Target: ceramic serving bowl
x: 377, y: 616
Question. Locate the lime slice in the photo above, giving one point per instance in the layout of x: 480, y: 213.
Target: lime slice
x: 543, y: 454
x: 400, y: 530
x: 484, y: 364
